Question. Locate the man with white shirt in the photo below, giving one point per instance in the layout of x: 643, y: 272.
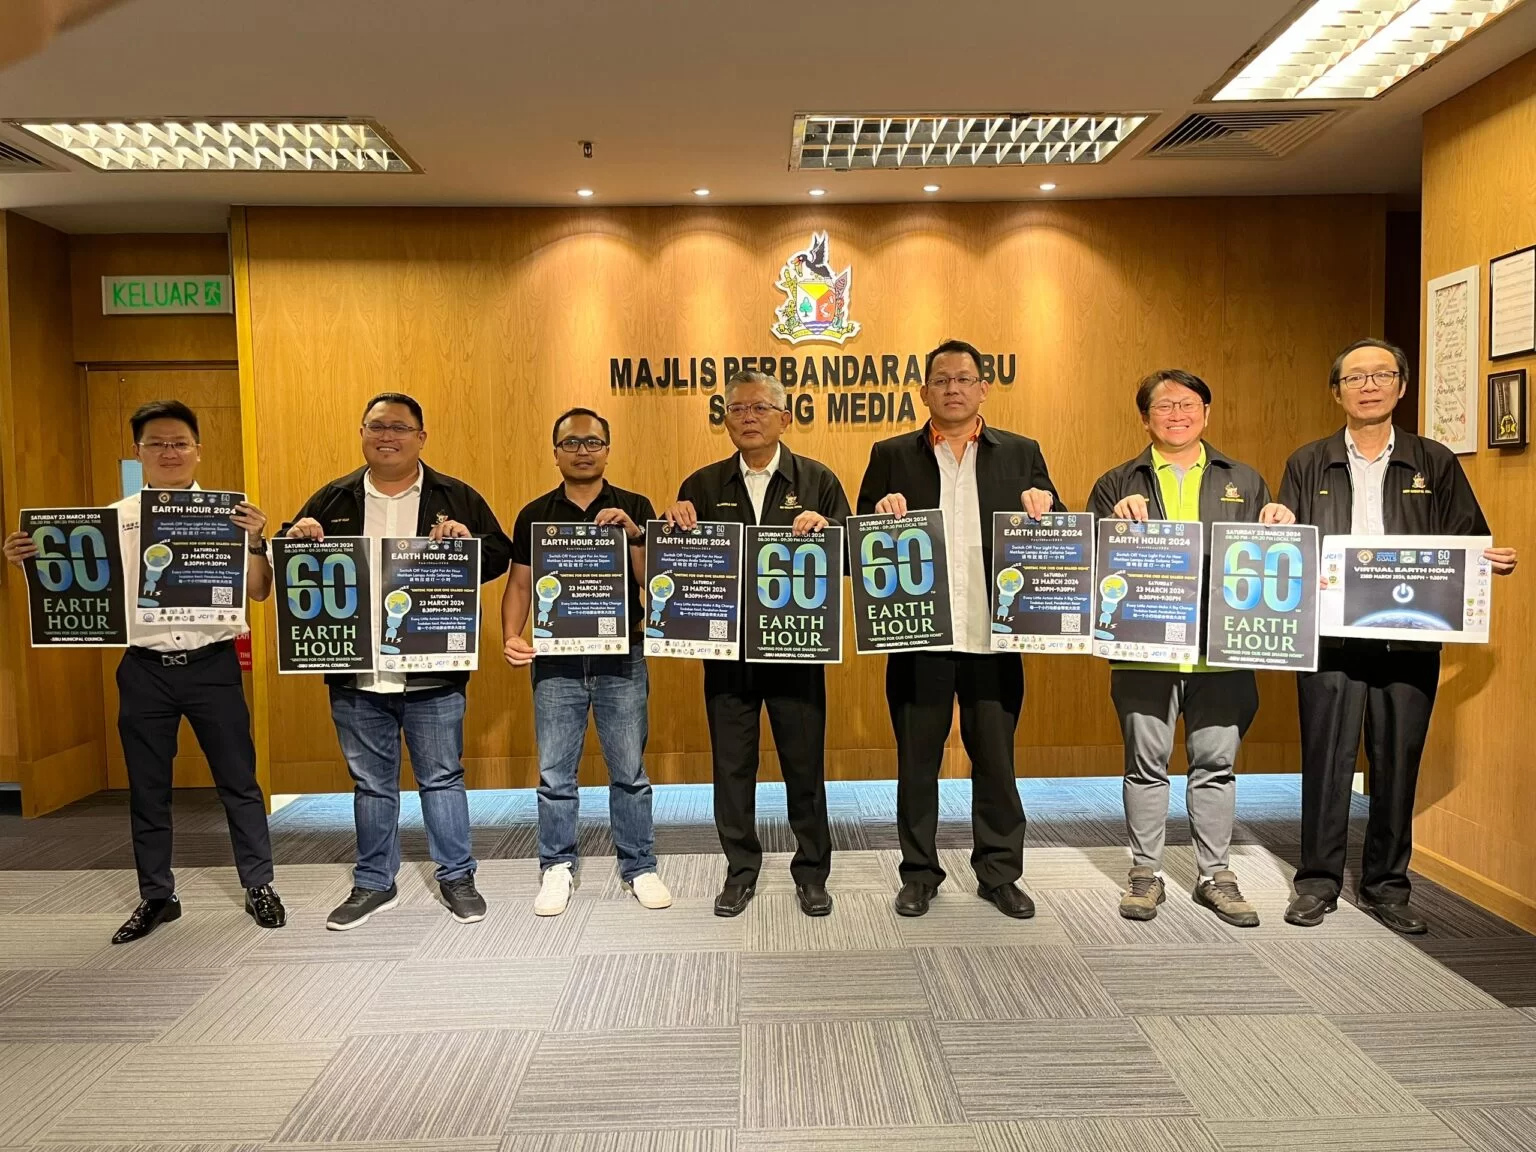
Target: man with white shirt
x: 396, y: 495
x: 763, y: 482
x: 960, y: 464
x: 171, y: 671
x: 1370, y: 478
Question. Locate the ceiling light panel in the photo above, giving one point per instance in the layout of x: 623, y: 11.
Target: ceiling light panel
x: 996, y: 140
x: 1357, y: 49
x: 234, y: 145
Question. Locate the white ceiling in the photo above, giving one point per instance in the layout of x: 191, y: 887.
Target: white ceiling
x: 491, y: 97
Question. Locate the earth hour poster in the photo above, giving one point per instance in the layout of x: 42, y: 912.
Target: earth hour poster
x: 429, y: 605
x: 693, y: 590
x: 323, y: 591
x: 1148, y: 591
x: 75, y: 584
x: 1042, y: 582
x: 900, y: 582
x: 1262, y: 601
x: 794, y: 596
x: 1434, y: 588
x: 192, y: 566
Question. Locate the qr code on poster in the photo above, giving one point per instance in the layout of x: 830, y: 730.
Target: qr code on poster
x: 719, y: 629
x: 458, y: 641
x: 607, y: 626
x: 1071, y: 623
x: 1174, y: 633
x: 223, y: 597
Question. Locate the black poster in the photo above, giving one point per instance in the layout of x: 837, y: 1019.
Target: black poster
x: 1042, y: 582
x: 1263, y: 597
x: 581, y: 589
x: 192, y: 558
x: 794, y: 609
x: 429, y: 605
x: 693, y: 590
x: 323, y: 590
x: 1148, y: 590
x: 901, y: 586
x: 75, y: 585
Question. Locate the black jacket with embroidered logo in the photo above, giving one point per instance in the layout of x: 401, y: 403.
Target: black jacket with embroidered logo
x: 339, y: 507
x: 800, y: 484
x: 1007, y: 465
x: 1230, y: 492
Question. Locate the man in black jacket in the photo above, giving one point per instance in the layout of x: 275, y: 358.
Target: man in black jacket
x: 763, y: 482
x: 1370, y: 478
x: 1181, y: 477
x: 397, y: 495
x: 958, y: 463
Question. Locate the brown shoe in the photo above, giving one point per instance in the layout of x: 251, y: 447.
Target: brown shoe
x: 1222, y: 896
x: 1145, y: 894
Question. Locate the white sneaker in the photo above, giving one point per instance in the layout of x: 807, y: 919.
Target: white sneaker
x: 554, y: 891
x: 650, y: 891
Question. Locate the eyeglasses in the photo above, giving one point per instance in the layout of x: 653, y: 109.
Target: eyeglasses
x: 761, y: 410
x: 1183, y: 407
x: 958, y: 381
x: 1356, y: 380
x: 160, y: 447
x: 589, y: 444
x: 374, y: 428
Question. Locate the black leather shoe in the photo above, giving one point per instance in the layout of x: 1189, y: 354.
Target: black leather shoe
x: 914, y: 898
x: 149, y: 915
x: 1307, y: 911
x: 1398, y: 917
x: 815, y: 900
x: 733, y: 899
x: 1011, y: 900
x: 265, y: 907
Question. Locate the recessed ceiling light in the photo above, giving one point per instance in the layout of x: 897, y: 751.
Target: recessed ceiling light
x: 1047, y: 187
x: 584, y: 193
x: 978, y: 140
x: 930, y: 188
x: 1355, y: 49
x: 818, y: 192
x: 227, y: 145
x: 701, y: 191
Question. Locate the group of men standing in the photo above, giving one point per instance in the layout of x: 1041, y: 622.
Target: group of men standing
x: 1355, y: 481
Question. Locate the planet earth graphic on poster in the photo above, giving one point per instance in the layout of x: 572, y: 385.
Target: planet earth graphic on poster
x: 1405, y: 618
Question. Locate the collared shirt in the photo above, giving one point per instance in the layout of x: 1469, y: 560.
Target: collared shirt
x: 387, y: 518
x: 756, y: 480
x: 969, y: 586
x: 1366, y: 479
x: 557, y: 508
x: 1180, y: 490
x: 162, y: 638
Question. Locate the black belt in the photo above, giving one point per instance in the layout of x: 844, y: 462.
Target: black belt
x: 185, y: 657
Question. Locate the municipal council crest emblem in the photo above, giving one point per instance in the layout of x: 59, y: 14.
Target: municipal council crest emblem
x: 1365, y: 555
x: 815, y: 306
x: 1418, y: 480
x: 1231, y: 493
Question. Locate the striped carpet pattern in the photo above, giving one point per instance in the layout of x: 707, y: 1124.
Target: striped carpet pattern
x: 613, y: 1028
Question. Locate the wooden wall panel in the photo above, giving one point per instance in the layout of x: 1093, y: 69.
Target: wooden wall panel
x: 137, y: 339
x: 1477, y: 791
x: 55, y: 695
x: 499, y: 319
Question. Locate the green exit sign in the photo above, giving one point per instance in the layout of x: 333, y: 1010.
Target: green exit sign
x: 159, y: 295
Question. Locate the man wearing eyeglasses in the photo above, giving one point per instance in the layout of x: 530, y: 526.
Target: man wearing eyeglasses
x: 958, y: 463
x: 191, y: 670
x: 763, y: 482
x: 396, y: 495
x: 567, y: 689
x: 1181, y: 477
x: 1370, y: 478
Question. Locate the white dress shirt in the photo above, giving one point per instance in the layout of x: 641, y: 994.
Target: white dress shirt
x: 1367, y: 478
x: 756, y: 480
x: 969, y: 585
x: 158, y: 637
x: 386, y: 518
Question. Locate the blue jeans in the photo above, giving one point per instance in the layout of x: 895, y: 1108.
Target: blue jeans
x: 615, y: 689
x: 368, y: 725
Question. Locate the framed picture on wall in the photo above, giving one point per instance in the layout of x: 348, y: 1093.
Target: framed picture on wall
x: 1512, y: 304
x: 1451, y: 361
x: 1506, y: 409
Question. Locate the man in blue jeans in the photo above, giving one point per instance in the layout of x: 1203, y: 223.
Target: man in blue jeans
x: 396, y: 495
x: 565, y: 688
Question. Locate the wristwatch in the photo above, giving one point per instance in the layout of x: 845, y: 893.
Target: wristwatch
x: 257, y: 549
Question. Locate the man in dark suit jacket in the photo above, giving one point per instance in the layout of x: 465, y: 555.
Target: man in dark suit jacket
x: 958, y: 463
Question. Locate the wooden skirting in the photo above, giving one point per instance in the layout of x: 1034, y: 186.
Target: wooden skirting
x: 1485, y: 893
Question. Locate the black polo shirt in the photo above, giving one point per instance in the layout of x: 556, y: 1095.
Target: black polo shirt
x: 556, y: 508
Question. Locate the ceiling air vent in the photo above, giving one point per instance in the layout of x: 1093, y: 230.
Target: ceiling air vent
x: 13, y: 159
x: 1243, y: 135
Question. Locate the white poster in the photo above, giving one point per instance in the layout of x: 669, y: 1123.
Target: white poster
x: 1406, y: 588
x: 1451, y: 364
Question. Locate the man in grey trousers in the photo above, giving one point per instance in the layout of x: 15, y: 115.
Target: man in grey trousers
x: 1181, y: 477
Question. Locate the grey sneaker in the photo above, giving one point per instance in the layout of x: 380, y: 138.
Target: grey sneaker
x: 1222, y: 896
x: 354, y: 911
x: 1145, y: 893
x: 463, y: 898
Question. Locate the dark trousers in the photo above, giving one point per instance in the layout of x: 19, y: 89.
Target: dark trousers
x: 920, y: 688
x: 153, y: 696
x: 796, y: 698
x: 1393, y: 692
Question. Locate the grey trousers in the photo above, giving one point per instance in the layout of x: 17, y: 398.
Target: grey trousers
x: 1218, y: 707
